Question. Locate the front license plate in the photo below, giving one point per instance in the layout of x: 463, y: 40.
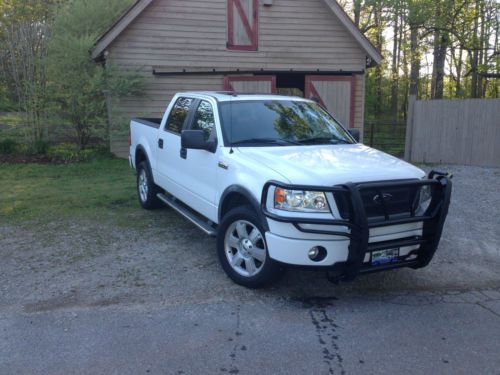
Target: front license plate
x: 385, y: 256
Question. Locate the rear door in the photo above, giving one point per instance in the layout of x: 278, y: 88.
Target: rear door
x: 336, y: 93
x: 251, y: 84
x: 168, y: 159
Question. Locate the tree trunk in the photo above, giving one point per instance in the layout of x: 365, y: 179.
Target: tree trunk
x: 357, y: 12
x: 482, y: 54
x: 497, y: 62
x: 475, y: 55
x: 441, y: 40
x: 414, y: 61
x: 378, y: 69
x: 440, y: 63
x: 458, y: 91
x: 406, y: 76
x: 395, y: 68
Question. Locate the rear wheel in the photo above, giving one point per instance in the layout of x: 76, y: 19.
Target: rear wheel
x: 242, y: 249
x: 146, y: 188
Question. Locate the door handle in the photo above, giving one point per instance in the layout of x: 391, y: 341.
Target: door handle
x: 183, y: 153
x: 160, y: 143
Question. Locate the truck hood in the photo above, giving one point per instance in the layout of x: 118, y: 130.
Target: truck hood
x: 327, y: 165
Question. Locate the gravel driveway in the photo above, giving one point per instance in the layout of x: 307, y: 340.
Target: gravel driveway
x: 94, y: 297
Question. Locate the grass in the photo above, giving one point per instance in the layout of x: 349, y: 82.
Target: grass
x: 37, y: 192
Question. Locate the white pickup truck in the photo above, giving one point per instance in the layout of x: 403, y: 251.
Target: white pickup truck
x: 280, y: 182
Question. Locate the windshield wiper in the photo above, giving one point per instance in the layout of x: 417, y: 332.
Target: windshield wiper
x: 322, y: 140
x: 276, y: 141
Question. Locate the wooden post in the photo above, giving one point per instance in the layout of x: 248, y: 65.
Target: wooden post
x: 409, y: 127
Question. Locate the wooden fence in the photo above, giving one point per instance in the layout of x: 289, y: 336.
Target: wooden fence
x: 454, y: 131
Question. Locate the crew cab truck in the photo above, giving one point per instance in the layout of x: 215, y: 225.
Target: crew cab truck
x: 280, y: 182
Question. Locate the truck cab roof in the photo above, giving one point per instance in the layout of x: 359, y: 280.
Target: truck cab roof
x: 226, y: 96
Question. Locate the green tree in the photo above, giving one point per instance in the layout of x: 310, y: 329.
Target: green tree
x: 433, y: 49
x: 78, y: 85
x: 25, y: 27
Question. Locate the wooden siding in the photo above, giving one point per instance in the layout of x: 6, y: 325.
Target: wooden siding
x: 177, y: 34
x: 181, y: 34
x: 454, y: 131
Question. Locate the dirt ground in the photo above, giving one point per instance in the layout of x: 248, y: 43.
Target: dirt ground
x: 87, y: 274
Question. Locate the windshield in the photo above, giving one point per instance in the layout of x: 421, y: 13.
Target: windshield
x: 279, y: 123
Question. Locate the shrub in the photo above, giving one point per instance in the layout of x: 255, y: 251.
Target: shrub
x: 39, y: 148
x: 77, y: 82
x: 8, y: 146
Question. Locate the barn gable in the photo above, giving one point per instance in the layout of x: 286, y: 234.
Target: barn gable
x: 312, y: 50
x: 234, y: 15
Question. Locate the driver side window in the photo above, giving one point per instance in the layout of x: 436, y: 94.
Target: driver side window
x: 204, y: 120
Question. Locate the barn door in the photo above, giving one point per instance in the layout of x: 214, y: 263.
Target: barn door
x: 255, y: 84
x: 336, y: 93
x: 242, y: 24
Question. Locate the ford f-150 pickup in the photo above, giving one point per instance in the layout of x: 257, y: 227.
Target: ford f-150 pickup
x: 280, y: 182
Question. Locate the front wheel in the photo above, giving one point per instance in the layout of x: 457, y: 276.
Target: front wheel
x: 242, y: 249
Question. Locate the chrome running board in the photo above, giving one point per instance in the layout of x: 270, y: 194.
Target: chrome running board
x: 204, y: 224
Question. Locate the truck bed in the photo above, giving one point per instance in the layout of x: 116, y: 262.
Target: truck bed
x: 152, y: 122
x: 145, y: 131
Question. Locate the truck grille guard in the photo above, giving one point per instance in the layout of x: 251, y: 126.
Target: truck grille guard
x: 360, y: 224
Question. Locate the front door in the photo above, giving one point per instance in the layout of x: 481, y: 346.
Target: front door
x: 336, y: 93
x: 199, y: 167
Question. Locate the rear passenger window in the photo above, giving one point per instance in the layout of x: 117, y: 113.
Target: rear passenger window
x: 178, y: 115
x: 204, y: 119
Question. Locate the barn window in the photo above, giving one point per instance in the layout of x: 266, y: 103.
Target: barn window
x: 242, y: 25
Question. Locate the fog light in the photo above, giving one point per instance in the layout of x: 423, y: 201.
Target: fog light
x: 313, y: 253
x: 317, y: 253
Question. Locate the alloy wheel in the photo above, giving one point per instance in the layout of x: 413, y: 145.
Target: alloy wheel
x: 245, y: 248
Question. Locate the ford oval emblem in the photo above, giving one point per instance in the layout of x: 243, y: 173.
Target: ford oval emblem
x: 377, y: 198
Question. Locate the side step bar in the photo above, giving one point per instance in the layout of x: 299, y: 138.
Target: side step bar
x: 204, y: 225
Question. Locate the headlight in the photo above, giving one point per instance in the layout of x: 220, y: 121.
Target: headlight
x: 298, y: 200
x: 425, y: 197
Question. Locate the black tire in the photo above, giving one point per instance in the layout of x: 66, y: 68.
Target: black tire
x: 147, y: 197
x: 269, y: 270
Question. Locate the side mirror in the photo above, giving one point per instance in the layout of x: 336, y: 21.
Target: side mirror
x: 195, y: 139
x: 354, y: 133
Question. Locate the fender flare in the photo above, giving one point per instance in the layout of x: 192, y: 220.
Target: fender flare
x: 141, y: 147
x: 249, y: 196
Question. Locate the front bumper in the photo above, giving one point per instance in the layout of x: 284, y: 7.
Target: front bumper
x: 349, y: 247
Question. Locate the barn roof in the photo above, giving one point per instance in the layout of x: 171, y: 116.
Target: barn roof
x: 136, y: 9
